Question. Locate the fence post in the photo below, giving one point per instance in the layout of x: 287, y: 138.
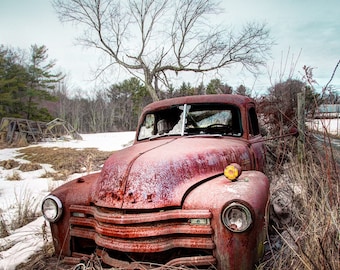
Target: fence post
x: 301, y: 124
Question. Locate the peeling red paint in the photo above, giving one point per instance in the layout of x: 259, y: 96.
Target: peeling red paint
x: 162, y: 199
x: 155, y: 172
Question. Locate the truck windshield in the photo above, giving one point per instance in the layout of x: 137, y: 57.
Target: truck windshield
x: 192, y: 119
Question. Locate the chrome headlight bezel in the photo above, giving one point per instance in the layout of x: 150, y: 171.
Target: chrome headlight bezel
x: 237, y: 217
x: 52, y: 208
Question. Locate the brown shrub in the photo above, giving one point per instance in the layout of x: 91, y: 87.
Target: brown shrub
x: 28, y: 167
x: 15, y: 176
x: 9, y: 164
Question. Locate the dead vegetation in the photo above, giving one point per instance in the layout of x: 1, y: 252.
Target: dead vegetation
x: 64, y: 161
x: 9, y: 164
x: 44, y: 260
x: 26, y: 211
x: 14, y: 176
x: 304, y: 230
x: 28, y: 167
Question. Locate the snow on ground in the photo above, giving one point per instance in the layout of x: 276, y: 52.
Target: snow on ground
x: 103, y: 141
x: 331, y: 125
x: 25, y: 241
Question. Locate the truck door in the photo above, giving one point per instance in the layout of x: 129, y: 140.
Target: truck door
x: 257, y: 146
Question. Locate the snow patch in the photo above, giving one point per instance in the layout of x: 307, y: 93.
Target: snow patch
x: 22, y: 243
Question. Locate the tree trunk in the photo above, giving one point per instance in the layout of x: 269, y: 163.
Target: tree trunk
x: 151, y: 91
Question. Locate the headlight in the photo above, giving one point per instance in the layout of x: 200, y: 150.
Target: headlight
x: 237, y: 217
x: 52, y: 208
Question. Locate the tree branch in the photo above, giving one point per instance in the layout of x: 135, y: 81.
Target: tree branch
x: 135, y: 34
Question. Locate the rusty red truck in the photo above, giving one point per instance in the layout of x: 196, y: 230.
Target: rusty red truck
x: 190, y: 191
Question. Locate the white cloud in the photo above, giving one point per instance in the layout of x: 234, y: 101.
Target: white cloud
x: 310, y: 26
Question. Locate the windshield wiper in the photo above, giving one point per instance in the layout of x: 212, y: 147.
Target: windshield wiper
x: 209, y: 135
x: 163, y: 135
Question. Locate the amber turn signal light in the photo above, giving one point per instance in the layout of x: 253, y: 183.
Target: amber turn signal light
x: 232, y: 171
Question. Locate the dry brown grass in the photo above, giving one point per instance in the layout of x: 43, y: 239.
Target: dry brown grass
x: 311, y: 240
x: 26, y: 209
x: 28, y: 167
x: 14, y: 176
x: 43, y: 260
x: 3, y: 228
x: 9, y: 164
x: 66, y: 161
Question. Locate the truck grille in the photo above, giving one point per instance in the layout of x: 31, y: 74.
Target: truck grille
x: 166, y: 237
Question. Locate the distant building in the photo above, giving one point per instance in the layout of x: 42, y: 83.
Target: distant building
x: 328, y: 111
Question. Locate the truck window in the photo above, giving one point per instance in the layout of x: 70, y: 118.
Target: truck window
x: 253, y: 122
x: 147, y: 129
x: 213, y: 119
x: 192, y: 119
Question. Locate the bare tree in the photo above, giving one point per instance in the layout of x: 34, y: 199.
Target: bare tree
x: 153, y: 38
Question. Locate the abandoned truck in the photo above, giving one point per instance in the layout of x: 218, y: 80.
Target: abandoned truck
x: 190, y: 192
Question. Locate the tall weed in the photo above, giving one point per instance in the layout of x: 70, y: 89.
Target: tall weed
x: 311, y: 239
x: 26, y: 209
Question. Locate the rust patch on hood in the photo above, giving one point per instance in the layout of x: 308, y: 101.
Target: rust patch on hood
x: 157, y: 174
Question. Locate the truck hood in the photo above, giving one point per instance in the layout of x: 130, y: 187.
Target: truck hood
x: 157, y: 174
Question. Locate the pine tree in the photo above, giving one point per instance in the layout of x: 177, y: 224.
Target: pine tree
x: 12, y: 83
x: 25, y: 86
x: 41, y: 80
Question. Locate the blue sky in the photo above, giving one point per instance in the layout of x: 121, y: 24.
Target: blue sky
x: 307, y: 31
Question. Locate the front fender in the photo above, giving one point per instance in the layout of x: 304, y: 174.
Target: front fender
x: 235, y: 250
x: 77, y: 191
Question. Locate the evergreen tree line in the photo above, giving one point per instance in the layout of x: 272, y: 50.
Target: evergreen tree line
x: 26, y: 82
x: 30, y: 89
